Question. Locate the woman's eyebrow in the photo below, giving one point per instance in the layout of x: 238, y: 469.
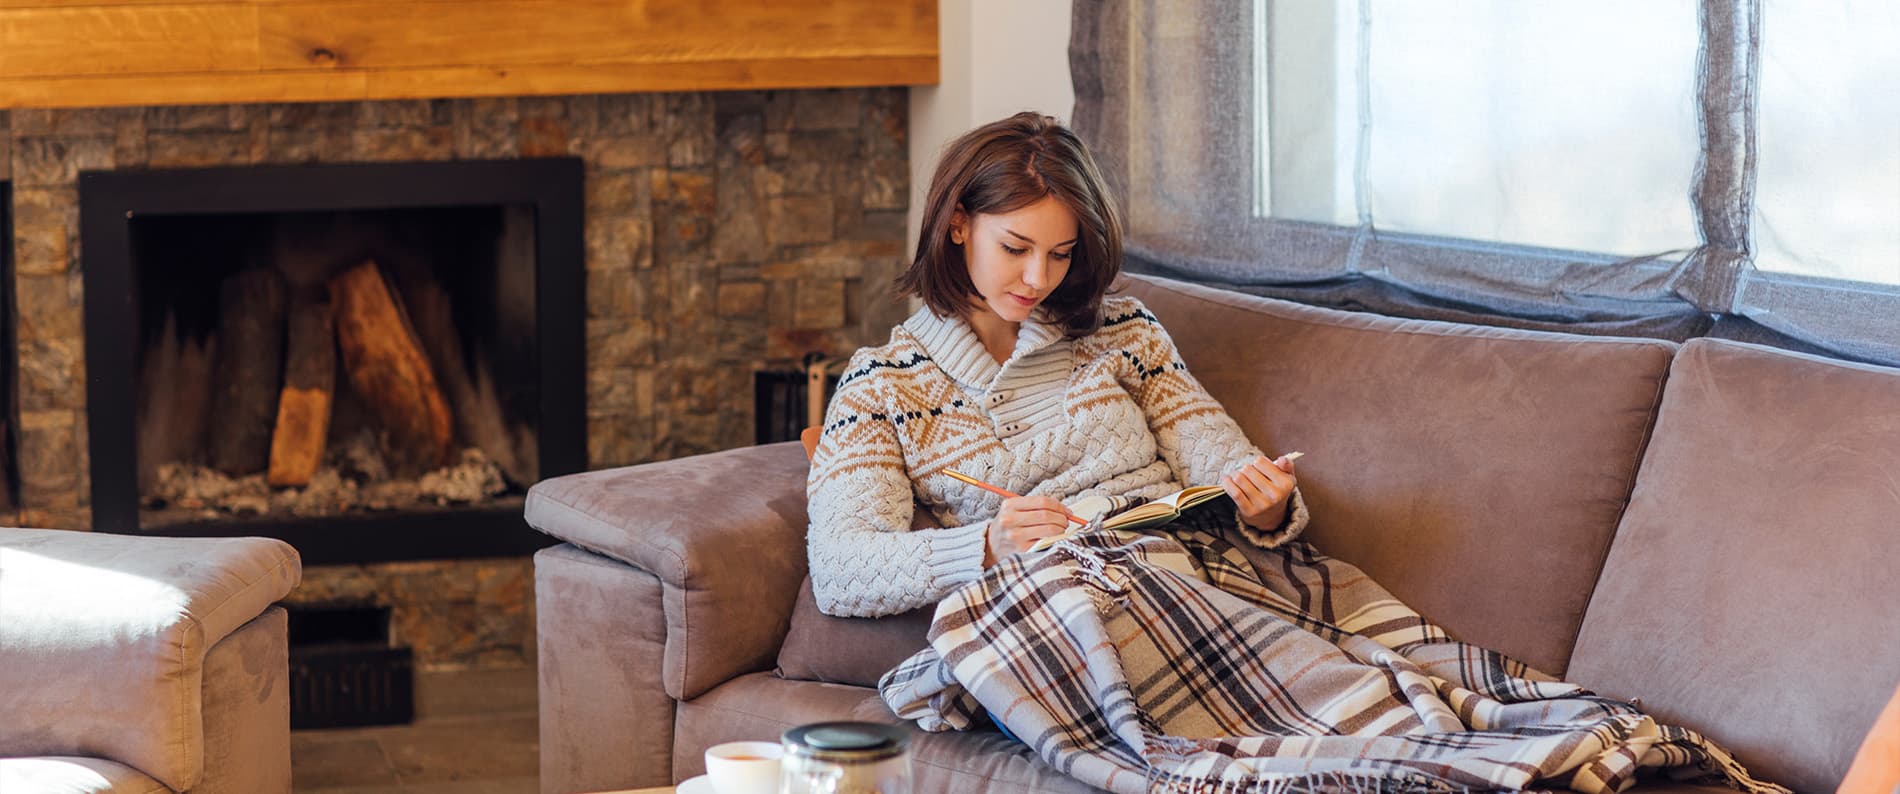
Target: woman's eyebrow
x: 1025, y: 238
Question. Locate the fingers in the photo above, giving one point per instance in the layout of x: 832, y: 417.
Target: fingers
x: 1279, y: 471
x: 1035, y: 510
x: 1259, y: 485
x: 1020, y: 538
x: 1267, y: 482
x: 1023, y: 520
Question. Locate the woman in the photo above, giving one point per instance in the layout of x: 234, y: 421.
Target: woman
x: 1018, y: 371
x: 1216, y: 656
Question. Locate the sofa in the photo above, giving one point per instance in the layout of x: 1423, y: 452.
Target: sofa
x: 143, y: 664
x: 1711, y: 529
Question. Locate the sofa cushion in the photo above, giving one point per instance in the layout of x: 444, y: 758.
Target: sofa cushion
x: 762, y: 706
x: 759, y: 706
x: 1476, y: 473
x: 855, y: 651
x: 1750, y: 591
x: 73, y: 775
x: 103, y: 640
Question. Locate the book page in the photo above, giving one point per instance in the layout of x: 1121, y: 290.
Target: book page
x: 1157, y: 511
x: 1196, y: 495
x: 1089, y: 507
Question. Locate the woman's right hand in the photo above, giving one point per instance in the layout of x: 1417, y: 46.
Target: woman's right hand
x: 1021, y: 522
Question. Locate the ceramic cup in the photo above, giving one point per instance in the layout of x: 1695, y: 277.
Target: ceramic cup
x: 743, y: 767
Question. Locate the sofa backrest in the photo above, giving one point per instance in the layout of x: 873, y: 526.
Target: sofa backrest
x: 1476, y: 473
x: 1753, y: 590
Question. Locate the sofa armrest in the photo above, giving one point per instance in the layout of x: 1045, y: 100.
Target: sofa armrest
x: 723, y: 532
x: 247, y: 709
x: 103, y: 640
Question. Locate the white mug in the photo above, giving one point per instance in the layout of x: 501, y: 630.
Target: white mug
x: 744, y: 767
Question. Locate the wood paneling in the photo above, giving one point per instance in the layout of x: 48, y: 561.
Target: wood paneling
x: 47, y: 42
x: 147, y: 52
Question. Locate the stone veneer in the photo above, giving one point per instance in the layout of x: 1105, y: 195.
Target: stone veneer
x: 724, y: 231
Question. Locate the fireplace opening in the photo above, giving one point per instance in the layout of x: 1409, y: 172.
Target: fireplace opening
x: 373, y: 362
x: 329, y: 363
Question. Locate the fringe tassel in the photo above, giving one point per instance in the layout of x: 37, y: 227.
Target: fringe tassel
x: 1330, y: 782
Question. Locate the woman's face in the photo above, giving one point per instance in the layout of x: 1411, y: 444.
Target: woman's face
x: 1016, y: 258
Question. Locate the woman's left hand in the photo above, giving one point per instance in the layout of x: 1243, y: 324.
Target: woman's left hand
x: 1262, y: 489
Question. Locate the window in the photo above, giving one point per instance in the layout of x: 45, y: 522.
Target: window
x: 1559, y: 125
x: 1827, y: 191
x: 1673, y: 168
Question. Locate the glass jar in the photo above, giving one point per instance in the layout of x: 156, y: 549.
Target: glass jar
x: 845, y: 758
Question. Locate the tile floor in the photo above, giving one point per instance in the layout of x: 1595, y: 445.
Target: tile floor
x: 475, y: 733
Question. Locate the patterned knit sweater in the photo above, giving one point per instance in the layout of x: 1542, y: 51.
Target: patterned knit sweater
x: 1114, y: 413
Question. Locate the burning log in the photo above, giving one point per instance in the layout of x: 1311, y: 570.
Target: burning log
x: 303, y: 410
x: 387, y: 367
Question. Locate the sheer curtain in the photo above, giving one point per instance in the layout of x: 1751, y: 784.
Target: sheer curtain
x: 1610, y: 167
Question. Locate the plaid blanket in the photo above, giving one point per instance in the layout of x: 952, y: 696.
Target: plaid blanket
x: 1187, y: 660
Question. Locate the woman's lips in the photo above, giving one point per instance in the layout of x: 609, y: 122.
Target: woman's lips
x: 1020, y: 300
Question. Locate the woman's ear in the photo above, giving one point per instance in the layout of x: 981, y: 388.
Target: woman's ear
x: 959, y: 226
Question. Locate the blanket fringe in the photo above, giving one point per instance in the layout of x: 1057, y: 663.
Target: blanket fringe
x: 1331, y: 782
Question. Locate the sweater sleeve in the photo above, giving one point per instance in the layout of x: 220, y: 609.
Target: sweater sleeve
x: 866, y: 561
x: 1198, y: 439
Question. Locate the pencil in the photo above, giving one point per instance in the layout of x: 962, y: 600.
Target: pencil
x: 998, y: 491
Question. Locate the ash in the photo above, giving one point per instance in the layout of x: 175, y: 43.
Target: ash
x: 355, y: 479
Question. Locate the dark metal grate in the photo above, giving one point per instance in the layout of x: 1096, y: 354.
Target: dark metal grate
x: 346, y: 686
x: 343, y: 671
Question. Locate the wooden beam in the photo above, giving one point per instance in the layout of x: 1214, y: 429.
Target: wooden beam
x: 64, y: 53
x: 101, y: 40
x: 194, y: 89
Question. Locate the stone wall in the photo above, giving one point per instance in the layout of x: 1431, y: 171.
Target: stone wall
x: 724, y: 231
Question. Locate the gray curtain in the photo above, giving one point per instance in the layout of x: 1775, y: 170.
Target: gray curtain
x: 1165, y: 96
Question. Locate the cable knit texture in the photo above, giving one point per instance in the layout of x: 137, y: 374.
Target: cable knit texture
x: 1114, y: 413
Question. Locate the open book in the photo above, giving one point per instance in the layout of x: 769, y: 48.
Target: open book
x: 1134, y: 513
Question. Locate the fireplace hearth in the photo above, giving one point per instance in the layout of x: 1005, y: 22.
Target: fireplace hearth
x: 370, y: 361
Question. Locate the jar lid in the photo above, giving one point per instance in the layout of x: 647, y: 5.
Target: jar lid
x: 865, y: 740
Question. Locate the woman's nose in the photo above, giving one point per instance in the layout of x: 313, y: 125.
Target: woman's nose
x: 1036, y: 273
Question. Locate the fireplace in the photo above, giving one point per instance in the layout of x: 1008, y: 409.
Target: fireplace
x: 370, y: 361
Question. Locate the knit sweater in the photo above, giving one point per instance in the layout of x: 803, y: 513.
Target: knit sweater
x: 1114, y: 413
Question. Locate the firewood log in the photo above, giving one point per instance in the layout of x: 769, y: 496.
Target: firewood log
x: 303, y: 411
x: 248, y: 372
x: 387, y: 366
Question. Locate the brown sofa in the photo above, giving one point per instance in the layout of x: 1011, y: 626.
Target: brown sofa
x: 1711, y: 528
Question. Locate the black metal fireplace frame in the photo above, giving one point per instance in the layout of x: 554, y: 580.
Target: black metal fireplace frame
x: 108, y: 200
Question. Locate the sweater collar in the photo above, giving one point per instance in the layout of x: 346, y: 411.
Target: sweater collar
x: 953, y: 344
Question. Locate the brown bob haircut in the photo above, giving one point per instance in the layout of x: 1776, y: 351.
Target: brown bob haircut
x: 1001, y: 167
